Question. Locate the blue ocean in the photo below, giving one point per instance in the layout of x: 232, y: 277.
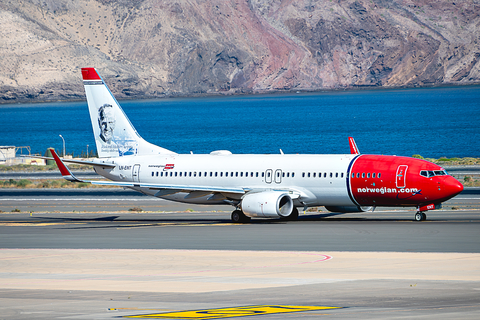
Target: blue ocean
x: 432, y: 122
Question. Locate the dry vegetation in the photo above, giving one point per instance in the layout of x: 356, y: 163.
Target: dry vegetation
x: 46, y: 184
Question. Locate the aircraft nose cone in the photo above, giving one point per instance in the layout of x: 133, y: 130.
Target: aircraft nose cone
x: 452, y: 186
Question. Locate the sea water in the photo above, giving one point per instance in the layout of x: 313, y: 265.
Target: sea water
x: 432, y: 122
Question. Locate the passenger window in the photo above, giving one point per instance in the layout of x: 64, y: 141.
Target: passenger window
x: 293, y: 174
x: 161, y: 174
x: 368, y: 175
x: 324, y: 174
x: 363, y: 174
x: 263, y: 174
x: 342, y: 174
x: 308, y: 175
x: 336, y: 175
x: 171, y: 174
x: 373, y: 175
x: 353, y: 175
x: 379, y: 174
x: 216, y: 174
x: 331, y: 175
x: 211, y: 174
x: 303, y: 174
x: 152, y: 173
x: 256, y: 175
x: 176, y: 174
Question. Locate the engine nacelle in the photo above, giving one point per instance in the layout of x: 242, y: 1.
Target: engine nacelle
x: 347, y: 209
x: 268, y: 204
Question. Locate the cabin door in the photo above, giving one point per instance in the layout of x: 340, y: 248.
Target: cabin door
x: 401, y: 176
x: 136, y: 173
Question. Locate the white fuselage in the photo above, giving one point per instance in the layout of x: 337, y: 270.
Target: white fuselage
x: 320, y: 179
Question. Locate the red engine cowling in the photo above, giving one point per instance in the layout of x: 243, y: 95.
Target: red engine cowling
x: 347, y: 209
x: 268, y: 204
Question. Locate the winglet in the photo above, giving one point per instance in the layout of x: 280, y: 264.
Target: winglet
x: 353, y: 146
x: 66, y: 173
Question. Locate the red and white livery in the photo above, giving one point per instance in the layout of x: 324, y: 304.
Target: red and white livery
x: 264, y: 186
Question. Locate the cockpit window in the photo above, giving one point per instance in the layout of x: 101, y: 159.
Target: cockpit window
x: 429, y: 174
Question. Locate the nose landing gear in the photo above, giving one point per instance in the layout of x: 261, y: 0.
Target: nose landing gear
x: 420, y: 216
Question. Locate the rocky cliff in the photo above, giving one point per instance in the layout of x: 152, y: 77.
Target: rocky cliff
x: 152, y: 48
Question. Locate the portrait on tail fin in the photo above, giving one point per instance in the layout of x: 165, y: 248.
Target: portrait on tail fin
x: 106, y: 122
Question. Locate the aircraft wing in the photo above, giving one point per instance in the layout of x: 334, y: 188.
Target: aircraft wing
x: 175, y: 188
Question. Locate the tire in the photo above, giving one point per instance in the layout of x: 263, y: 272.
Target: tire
x: 419, y: 216
x: 239, y: 217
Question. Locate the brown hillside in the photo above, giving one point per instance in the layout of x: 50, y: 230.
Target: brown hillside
x: 153, y: 48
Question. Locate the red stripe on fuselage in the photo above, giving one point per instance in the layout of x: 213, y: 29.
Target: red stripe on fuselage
x: 396, y: 181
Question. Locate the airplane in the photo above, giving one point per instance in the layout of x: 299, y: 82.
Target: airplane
x: 258, y: 186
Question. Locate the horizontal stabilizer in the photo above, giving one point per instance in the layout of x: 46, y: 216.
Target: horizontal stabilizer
x: 94, y: 163
x: 66, y: 173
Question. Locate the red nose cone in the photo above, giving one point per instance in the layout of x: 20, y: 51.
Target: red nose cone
x: 452, y: 187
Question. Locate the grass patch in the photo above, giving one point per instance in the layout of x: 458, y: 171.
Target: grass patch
x: 33, y: 168
x: 468, y: 161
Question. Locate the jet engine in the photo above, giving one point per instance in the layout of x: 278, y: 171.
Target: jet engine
x: 268, y: 204
x: 347, y: 209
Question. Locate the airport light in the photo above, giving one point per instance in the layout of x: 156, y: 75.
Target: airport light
x: 63, y: 145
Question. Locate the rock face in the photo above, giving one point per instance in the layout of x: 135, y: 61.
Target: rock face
x: 152, y: 48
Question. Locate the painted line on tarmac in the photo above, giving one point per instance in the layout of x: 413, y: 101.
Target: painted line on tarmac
x: 222, y: 313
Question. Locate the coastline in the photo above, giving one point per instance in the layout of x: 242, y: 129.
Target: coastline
x: 294, y: 91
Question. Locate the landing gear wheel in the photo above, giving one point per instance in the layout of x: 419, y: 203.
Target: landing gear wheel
x: 420, y: 216
x: 238, y: 217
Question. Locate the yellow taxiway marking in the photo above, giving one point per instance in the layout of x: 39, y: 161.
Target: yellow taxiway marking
x: 230, y: 312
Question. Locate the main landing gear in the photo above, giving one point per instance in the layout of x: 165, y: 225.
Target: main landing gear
x: 239, y: 217
x: 420, y: 216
